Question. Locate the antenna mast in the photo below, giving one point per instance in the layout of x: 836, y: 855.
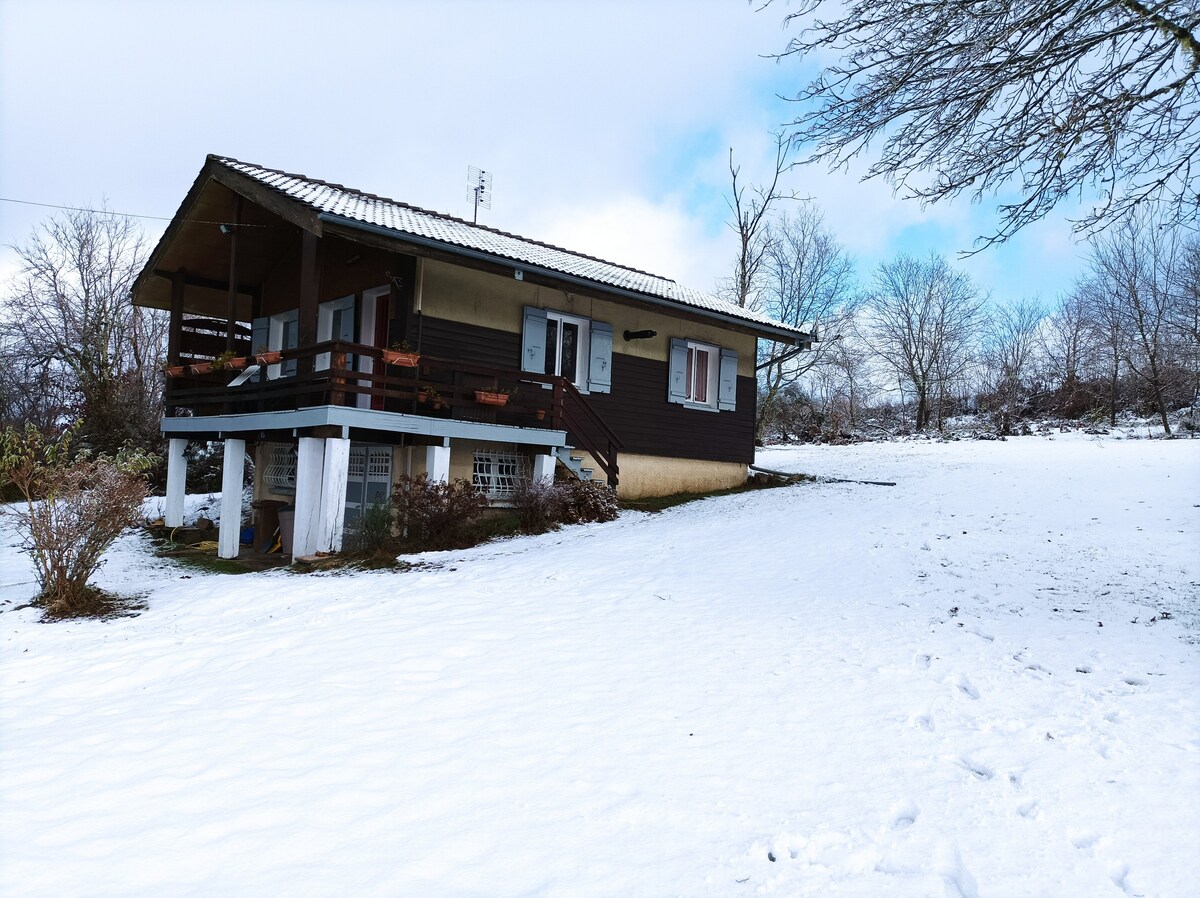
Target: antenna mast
x: 479, y: 189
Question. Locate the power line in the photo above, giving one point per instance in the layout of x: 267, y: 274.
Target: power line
x: 5, y: 199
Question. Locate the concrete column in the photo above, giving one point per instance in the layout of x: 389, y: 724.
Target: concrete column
x: 543, y: 468
x: 310, y: 463
x: 333, y: 495
x: 176, y: 482
x: 437, y: 463
x: 233, y: 469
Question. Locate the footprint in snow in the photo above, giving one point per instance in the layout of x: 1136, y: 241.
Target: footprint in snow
x: 1029, y: 810
x: 922, y: 722
x: 966, y: 688
x: 904, y: 815
x: 977, y: 770
x: 959, y: 882
x: 923, y: 661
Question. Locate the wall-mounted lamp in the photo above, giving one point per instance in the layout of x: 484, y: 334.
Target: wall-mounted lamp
x: 639, y: 335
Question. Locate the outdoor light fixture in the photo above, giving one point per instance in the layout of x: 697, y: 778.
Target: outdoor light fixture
x: 226, y: 229
x: 639, y: 335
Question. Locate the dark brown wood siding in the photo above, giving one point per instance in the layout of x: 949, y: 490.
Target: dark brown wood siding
x: 445, y: 339
x: 637, y: 408
x: 638, y: 412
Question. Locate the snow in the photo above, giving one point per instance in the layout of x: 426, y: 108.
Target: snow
x: 962, y: 685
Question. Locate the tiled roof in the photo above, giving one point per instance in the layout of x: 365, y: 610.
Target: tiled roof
x: 404, y: 219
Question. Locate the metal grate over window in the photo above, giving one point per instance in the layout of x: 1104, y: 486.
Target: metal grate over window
x: 280, y: 474
x: 498, y: 474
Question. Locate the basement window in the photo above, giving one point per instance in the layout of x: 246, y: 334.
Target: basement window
x: 280, y: 473
x: 497, y: 475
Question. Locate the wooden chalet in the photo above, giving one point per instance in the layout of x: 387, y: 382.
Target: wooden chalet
x: 291, y: 300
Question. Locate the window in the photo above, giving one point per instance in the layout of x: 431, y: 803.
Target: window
x: 498, y: 474
x: 702, y: 376
x: 567, y: 347
x: 284, y: 333
x: 280, y: 473
x: 563, y: 345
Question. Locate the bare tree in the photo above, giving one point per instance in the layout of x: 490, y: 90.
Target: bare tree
x: 924, y: 318
x: 1135, y: 271
x: 74, y: 334
x: 808, y: 282
x: 752, y: 209
x: 1053, y: 100
x: 1070, y: 350
x: 1010, y: 345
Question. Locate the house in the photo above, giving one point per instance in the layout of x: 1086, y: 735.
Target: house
x: 286, y: 295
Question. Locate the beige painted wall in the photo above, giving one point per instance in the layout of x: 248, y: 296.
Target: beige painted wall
x: 489, y: 300
x: 655, y: 475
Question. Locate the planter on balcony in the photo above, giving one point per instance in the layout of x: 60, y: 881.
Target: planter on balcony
x: 270, y: 357
x: 401, y: 359
x: 485, y: 397
x: 238, y: 362
x: 200, y: 368
x: 174, y: 370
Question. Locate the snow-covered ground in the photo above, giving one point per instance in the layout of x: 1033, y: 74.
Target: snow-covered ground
x: 962, y: 685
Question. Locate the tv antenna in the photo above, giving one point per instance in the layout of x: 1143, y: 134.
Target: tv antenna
x: 479, y: 189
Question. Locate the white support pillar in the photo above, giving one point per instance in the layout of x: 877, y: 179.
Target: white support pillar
x: 333, y: 495
x: 543, y: 468
x: 310, y: 463
x: 176, y: 482
x: 437, y: 464
x: 233, y: 470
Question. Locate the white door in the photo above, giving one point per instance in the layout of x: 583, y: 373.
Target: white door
x: 335, y: 321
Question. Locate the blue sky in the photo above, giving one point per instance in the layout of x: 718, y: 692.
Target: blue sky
x: 606, y: 123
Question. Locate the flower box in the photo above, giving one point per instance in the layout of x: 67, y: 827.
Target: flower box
x: 269, y: 357
x: 486, y: 397
x: 401, y: 359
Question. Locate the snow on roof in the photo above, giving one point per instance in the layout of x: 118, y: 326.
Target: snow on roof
x: 402, y: 218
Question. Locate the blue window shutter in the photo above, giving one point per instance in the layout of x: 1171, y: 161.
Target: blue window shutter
x: 727, y: 381
x: 600, y: 366
x: 677, y: 372
x: 260, y: 336
x: 291, y: 338
x: 533, y: 341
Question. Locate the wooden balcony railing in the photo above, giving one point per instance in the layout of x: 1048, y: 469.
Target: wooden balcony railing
x: 435, y: 387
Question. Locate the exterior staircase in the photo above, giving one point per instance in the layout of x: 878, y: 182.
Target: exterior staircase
x: 574, y: 463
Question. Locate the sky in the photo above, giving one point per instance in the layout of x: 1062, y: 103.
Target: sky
x: 606, y: 124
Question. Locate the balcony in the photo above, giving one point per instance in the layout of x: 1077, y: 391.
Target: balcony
x: 425, y: 395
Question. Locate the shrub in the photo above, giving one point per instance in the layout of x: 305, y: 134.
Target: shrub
x: 73, y: 506
x: 543, y: 506
x: 435, y: 515
x: 373, y: 532
x: 587, y: 501
x: 538, y: 505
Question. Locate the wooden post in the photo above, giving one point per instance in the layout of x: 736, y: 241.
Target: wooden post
x: 175, y: 330
x: 333, y: 495
x: 310, y: 465
x: 176, y: 482
x: 233, y: 466
x: 233, y: 273
x: 306, y: 327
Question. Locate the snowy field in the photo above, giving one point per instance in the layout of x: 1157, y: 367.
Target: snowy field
x: 964, y: 685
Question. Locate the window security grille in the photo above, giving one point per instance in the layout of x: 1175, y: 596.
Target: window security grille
x: 280, y: 474
x: 498, y: 474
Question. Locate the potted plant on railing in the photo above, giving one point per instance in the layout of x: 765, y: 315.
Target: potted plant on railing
x: 173, y: 370
x: 264, y: 356
x: 197, y: 368
x: 227, y: 359
x: 498, y: 396
x: 401, y: 354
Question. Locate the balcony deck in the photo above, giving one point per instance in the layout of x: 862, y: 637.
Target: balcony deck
x: 352, y: 386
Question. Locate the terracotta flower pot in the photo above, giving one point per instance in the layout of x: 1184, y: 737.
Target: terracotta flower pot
x: 270, y: 357
x: 175, y: 370
x: 486, y: 397
x: 238, y: 362
x: 401, y: 359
